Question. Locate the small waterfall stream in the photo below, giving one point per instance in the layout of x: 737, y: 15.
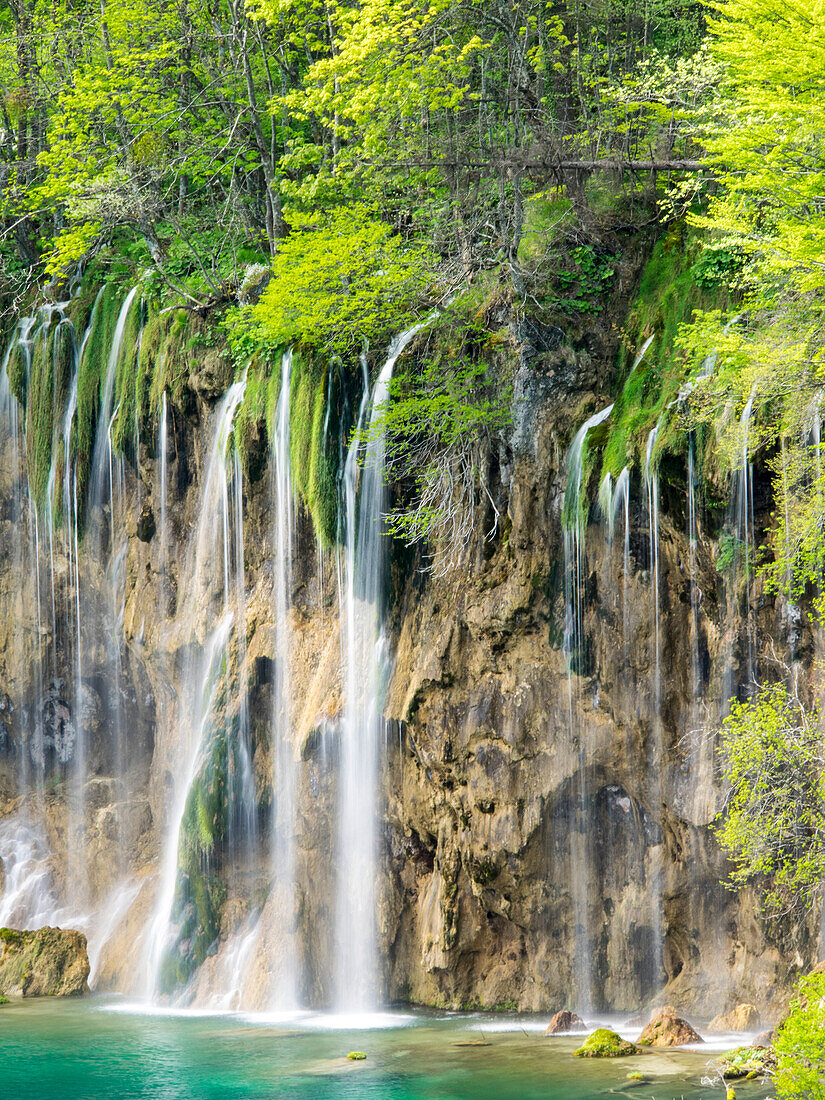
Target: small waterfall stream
x: 285, y: 773
x: 358, y: 983
x: 575, y: 529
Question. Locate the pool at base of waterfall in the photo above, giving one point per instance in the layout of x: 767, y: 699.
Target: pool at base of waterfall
x: 100, y: 1048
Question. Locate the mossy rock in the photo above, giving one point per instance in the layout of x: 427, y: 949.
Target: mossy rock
x: 4, y: 1000
x: 45, y: 962
x: 356, y: 1056
x: 604, y: 1043
x: 747, y: 1062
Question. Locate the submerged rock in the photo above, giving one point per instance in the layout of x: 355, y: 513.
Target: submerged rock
x: 604, y: 1043
x: 668, y: 1030
x: 742, y: 1018
x: 565, y: 1021
x: 47, y: 962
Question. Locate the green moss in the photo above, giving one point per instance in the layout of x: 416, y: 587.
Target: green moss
x: 314, y: 437
x: 39, y: 412
x: 90, y: 375
x: 356, y: 1056
x: 130, y: 381
x: 670, y: 291
x: 744, y: 1062
x: 48, y: 382
x: 4, y: 1000
x: 604, y: 1043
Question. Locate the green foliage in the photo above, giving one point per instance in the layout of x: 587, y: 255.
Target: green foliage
x: 767, y: 142
x: 447, y: 402
x: 773, y: 825
x: 340, y: 278
x: 800, y: 1044
x: 587, y: 280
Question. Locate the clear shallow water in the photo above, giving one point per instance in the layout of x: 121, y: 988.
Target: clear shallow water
x: 94, y: 1049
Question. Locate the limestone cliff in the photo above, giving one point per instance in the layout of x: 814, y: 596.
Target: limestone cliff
x: 545, y: 810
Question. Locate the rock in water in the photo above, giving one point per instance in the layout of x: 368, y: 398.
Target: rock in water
x: 667, y: 1030
x: 741, y: 1018
x: 47, y: 962
x: 604, y: 1043
x: 565, y: 1022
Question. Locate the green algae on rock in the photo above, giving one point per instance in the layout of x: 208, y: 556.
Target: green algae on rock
x: 747, y: 1062
x: 604, y: 1043
x: 47, y: 962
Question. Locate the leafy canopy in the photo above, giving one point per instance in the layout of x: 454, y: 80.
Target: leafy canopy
x: 339, y: 278
x: 773, y: 828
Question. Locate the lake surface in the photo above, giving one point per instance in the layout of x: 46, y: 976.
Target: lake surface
x: 96, y: 1048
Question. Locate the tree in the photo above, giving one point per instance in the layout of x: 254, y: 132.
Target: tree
x: 773, y: 823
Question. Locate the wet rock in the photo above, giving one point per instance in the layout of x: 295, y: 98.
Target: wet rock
x: 668, y: 1030
x: 146, y: 523
x: 564, y: 1022
x: 743, y: 1017
x: 604, y: 1043
x: 47, y: 962
x: 764, y: 1038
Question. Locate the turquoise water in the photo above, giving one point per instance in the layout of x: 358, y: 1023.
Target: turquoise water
x: 73, y: 1050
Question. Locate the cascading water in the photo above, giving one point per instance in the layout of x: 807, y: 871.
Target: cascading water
x: 657, y: 748
x: 203, y: 581
x: 741, y: 554
x: 574, y: 519
x: 358, y: 986
x: 285, y: 991
x: 621, y: 500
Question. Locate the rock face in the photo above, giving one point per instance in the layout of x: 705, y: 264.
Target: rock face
x: 667, y: 1030
x: 741, y: 1018
x: 604, y: 1043
x: 47, y: 962
x: 564, y: 1022
x: 531, y: 852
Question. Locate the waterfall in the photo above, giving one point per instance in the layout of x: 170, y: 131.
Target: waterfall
x: 739, y: 548
x: 695, y: 591
x: 657, y: 746
x: 163, y: 449
x: 621, y: 500
x: 203, y: 669
x: 358, y: 984
x: 284, y: 778
x: 574, y: 520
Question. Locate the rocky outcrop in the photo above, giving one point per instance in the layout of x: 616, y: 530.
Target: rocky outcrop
x: 668, y: 1030
x: 741, y: 1018
x: 564, y: 1023
x: 47, y: 962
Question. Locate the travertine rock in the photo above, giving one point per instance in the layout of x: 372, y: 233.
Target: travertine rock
x: 741, y: 1018
x: 47, y: 962
x: 565, y: 1022
x: 666, y: 1030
